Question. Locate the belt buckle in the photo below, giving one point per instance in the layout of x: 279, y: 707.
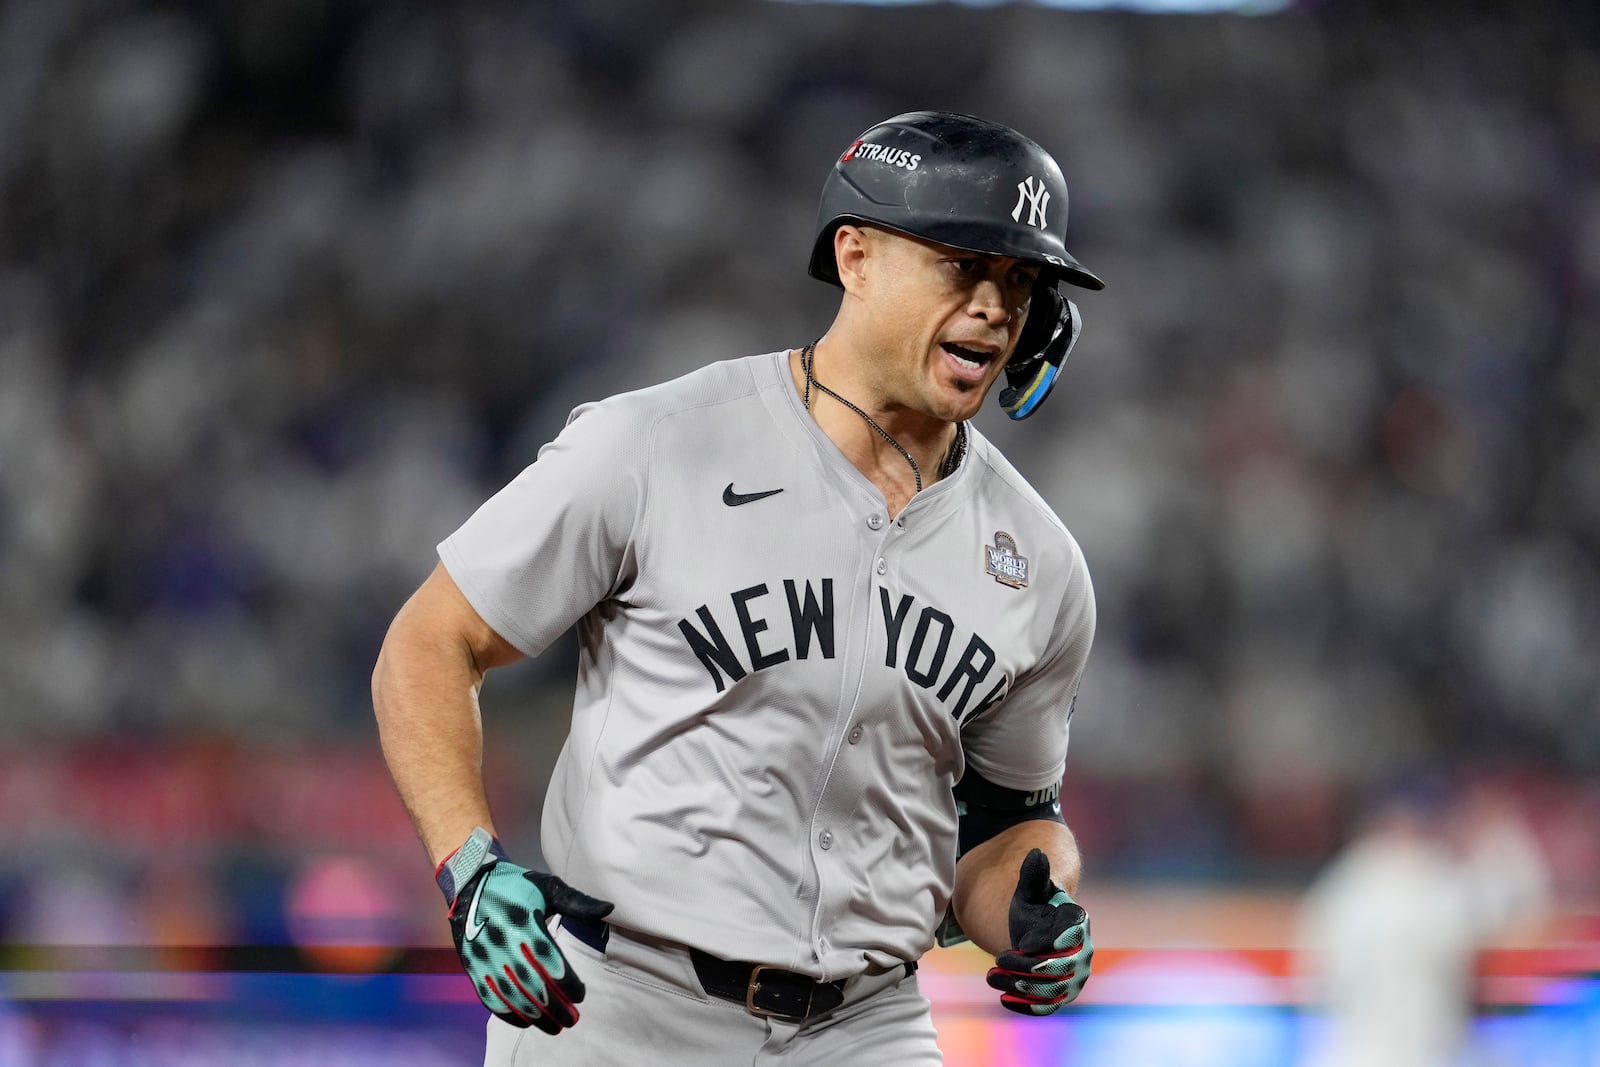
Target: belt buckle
x: 755, y: 987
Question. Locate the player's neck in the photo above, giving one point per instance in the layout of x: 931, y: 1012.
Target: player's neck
x: 834, y: 389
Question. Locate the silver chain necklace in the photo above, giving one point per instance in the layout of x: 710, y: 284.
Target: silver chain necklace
x: 957, y: 451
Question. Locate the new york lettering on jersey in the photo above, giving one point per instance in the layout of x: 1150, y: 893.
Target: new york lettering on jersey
x: 916, y: 639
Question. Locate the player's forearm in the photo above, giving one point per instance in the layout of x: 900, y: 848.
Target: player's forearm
x: 425, y: 696
x: 986, y: 878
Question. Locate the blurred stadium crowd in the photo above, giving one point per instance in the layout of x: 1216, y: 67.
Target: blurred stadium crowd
x: 287, y: 288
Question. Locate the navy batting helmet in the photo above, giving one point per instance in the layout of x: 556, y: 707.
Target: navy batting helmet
x: 956, y: 180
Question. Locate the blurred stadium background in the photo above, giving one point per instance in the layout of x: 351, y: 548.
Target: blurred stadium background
x: 288, y: 286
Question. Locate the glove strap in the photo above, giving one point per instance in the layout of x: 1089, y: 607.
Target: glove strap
x: 477, y: 852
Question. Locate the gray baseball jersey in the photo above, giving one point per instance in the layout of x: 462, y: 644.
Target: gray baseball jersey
x: 778, y: 685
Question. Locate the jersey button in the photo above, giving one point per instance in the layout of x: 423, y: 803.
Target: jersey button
x: 855, y: 735
x: 826, y: 840
x: 882, y: 566
x: 875, y: 522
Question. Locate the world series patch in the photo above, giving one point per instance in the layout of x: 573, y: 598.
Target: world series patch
x: 1002, y: 561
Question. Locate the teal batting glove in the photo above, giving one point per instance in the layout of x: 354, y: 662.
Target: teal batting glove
x: 1051, y: 949
x: 497, y: 917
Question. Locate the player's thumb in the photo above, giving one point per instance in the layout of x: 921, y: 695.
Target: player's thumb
x: 1033, y: 881
x: 566, y: 900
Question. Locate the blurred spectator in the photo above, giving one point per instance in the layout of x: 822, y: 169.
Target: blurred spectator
x: 1392, y: 928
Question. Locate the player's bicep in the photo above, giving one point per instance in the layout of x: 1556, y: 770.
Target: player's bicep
x: 439, y: 613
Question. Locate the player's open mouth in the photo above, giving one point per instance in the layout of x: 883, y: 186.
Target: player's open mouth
x: 970, y: 364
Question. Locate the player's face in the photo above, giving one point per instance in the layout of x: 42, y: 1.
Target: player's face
x: 945, y: 320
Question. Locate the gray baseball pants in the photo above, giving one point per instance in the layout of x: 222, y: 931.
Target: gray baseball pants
x: 644, y: 1005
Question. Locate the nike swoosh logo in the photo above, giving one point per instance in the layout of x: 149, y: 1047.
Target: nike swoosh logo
x: 474, y: 924
x: 733, y: 500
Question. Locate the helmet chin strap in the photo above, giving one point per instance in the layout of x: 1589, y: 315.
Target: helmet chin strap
x: 1045, y: 343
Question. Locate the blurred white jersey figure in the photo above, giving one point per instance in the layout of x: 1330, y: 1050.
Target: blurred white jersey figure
x: 1391, y: 930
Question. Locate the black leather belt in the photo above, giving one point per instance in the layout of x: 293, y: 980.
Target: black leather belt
x: 763, y: 989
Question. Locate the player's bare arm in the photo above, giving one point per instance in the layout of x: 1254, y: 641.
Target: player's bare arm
x: 986, y: 878
x: 425, y: 693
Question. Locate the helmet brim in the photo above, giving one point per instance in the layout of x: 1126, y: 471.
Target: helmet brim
x: 1054, y: 266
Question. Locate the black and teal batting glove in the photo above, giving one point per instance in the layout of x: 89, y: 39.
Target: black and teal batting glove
x: 497, y: 916
x: 1051, y: 950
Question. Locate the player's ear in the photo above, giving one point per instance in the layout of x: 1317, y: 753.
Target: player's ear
x: 853, y: 246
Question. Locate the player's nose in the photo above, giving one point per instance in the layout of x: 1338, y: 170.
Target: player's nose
x: 988, y: 302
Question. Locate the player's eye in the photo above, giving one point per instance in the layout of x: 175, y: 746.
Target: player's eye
x: 1023, y: 279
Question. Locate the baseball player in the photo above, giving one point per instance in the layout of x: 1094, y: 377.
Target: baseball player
x: 830, y: 644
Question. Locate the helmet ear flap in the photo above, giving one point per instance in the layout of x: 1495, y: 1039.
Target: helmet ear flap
x: 1047, y: 338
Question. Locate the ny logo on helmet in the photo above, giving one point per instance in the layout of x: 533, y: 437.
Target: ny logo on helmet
x: 1032, y: 192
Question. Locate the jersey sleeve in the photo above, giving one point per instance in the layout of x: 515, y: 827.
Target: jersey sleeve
x: 1022, y: 742
x: 559, y: 538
